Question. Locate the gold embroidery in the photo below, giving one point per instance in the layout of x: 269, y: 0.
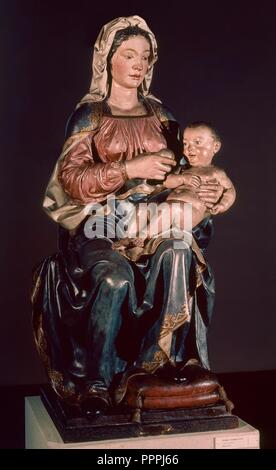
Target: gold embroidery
x: 56, y: 377
x: 58, y: 385
x: 86, y: 130
x: 165, y: 343
x: 159, y: 359
x: 37, y: 285
x: 199, y: 255
x: 160, y: 113
x: 41, y: 342
x: 173, y: 321
x: 198, y: 276
x: 96, y: 116
x: 143, y: 188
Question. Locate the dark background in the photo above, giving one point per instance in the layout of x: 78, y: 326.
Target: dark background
x: 216, y: 63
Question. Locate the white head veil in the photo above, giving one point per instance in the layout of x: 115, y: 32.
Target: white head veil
x: 99, y: 85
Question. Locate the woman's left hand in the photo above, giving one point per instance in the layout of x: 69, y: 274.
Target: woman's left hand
x: 210, y: 193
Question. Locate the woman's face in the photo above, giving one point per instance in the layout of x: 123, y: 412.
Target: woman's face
x: 130, y: 62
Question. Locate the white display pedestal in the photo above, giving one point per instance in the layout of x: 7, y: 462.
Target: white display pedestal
x: 41, y: 433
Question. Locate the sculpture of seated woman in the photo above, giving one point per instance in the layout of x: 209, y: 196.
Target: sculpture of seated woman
x: 97, y: 314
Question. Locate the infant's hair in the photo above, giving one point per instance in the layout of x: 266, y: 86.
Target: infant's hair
x: 195, y: 124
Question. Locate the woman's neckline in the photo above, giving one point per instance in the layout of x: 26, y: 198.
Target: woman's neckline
x: 107, y: 111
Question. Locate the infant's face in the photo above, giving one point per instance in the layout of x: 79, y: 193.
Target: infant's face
x: 199, y: 146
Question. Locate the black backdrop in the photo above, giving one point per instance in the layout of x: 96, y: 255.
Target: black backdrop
x: 216, y: 63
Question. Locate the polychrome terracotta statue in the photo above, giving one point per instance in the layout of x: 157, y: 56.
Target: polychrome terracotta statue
x: 97, y: 313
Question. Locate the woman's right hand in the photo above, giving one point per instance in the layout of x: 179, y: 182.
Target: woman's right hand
x: 210, y: 193
x: 149, y: 166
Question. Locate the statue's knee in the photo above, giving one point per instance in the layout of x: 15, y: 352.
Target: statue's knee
x: 115, y: 280
x: 177, y: 244
x: 113, y: 277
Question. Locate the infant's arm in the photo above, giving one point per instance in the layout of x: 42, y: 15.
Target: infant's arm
x: 229, y: 193
x: 185, y: 178
x: 173, y: 181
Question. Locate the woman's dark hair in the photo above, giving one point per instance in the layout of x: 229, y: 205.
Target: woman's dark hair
x: 124, y: 34
x: 121, y: 36
x: 195, y: 124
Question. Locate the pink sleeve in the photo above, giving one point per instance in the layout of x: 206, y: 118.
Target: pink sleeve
x: 86, y: 181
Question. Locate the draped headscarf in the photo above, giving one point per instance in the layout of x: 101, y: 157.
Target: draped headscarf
x: 99, y: 85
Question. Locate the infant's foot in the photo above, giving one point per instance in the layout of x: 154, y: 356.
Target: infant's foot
x: 138, y: 242
x: 120, y: 244
x: 124, y: 243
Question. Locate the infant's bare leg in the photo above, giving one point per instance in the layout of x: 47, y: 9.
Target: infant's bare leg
x: 149, y: 221
x: 160, y: 220
x: 136, y: 232
x: 186, y: 215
